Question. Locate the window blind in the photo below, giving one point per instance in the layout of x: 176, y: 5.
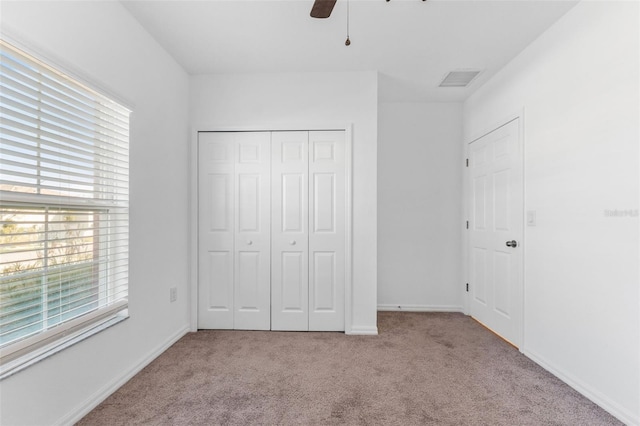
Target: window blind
x: 64, y: 200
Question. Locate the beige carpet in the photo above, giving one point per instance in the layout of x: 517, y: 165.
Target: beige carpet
x: 422, y: 369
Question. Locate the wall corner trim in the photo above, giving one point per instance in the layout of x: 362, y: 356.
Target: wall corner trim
x: 94, y: 400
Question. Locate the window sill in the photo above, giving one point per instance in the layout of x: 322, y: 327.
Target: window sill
x: 40, y: 354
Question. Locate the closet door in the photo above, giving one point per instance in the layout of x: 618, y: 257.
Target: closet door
x: 326, y: 230
x: 252, y: 231
x: 289, y: 232
x: 234, y: 230
x: 272, y: 230
x: 216, y: 239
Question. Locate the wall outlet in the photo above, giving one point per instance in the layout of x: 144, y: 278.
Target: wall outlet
x: 173, y: 294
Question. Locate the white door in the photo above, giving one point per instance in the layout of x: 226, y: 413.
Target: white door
x: 326, y: 230
x: 308, y: 231
x: 252, y: 295
x: 496, y: 255
x: 216, y: 239
x: 272, y: 230
x: 290, y: 231
x: 234, y: 230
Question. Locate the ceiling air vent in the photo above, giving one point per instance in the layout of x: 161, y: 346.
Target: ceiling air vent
x: 460, y: 78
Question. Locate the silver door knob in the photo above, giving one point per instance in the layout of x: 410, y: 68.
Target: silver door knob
x: 292, y: 242
x: 512, y: 243
x: 249, y: 242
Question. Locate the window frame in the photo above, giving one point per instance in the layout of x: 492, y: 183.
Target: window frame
x: 19, y: 354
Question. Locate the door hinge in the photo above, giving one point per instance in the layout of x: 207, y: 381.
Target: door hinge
x: 467, y: 287
x: 467, y: 224
x: 467, y: 162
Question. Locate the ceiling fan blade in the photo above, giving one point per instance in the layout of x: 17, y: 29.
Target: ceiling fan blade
x: 322, y: 8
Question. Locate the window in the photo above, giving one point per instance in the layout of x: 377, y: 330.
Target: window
x: 64, y: 210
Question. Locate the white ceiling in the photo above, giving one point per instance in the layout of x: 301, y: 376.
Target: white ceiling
x: 411, y: 43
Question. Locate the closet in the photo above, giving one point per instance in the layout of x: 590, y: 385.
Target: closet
x: 271, y: 228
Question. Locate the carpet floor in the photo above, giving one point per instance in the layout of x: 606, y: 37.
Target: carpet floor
x: 422, y: 369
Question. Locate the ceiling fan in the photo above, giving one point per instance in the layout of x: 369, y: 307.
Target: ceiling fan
x: 322, y: 8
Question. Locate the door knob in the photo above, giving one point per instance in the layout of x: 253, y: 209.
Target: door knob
x: 512, y: 243
x: 292, y: 242
x: 249, y: 242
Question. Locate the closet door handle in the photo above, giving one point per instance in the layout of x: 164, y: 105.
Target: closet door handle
x: 249, y: 242
x: 292, y: 242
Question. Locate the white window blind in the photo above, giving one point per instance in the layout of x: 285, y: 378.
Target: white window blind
x: 64, y: 200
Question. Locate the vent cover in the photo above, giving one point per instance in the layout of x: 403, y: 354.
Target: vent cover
x: 460, y: 78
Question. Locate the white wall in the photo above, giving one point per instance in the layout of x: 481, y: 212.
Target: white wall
x: 579, y: 87
x: 310, y: 100
x: 419, y: 206
x: 104, y: 44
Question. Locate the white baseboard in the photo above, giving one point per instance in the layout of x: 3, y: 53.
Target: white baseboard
x: 363, y: 330
x: 420, y: 308
x: 94, y: 400
x: 621, y: 413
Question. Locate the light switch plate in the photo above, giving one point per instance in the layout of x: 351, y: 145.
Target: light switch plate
x: 531, y: 218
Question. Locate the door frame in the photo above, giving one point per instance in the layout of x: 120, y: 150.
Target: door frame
x: 466, y: 236
x: 193, y: 207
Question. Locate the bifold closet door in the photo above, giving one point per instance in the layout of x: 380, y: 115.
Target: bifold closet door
x: 308, y: 231
x: 327, y: 211
x: 234, y: 230
x: 290, y: 231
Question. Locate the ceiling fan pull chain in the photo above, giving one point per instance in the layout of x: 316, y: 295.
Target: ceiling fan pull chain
x: 347, y: 42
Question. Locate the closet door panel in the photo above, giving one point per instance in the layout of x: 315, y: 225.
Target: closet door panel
x: 248, y: 281
x: 216, y: 235
x: 220, y: 274
x: 249, y: 202
x: 293, y: 208
x: 289, y: 232
x: 324, y: 199
x: 327, y: 233
x: 324, y: 279
x: 252, y: 232
x: 292, y: 296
